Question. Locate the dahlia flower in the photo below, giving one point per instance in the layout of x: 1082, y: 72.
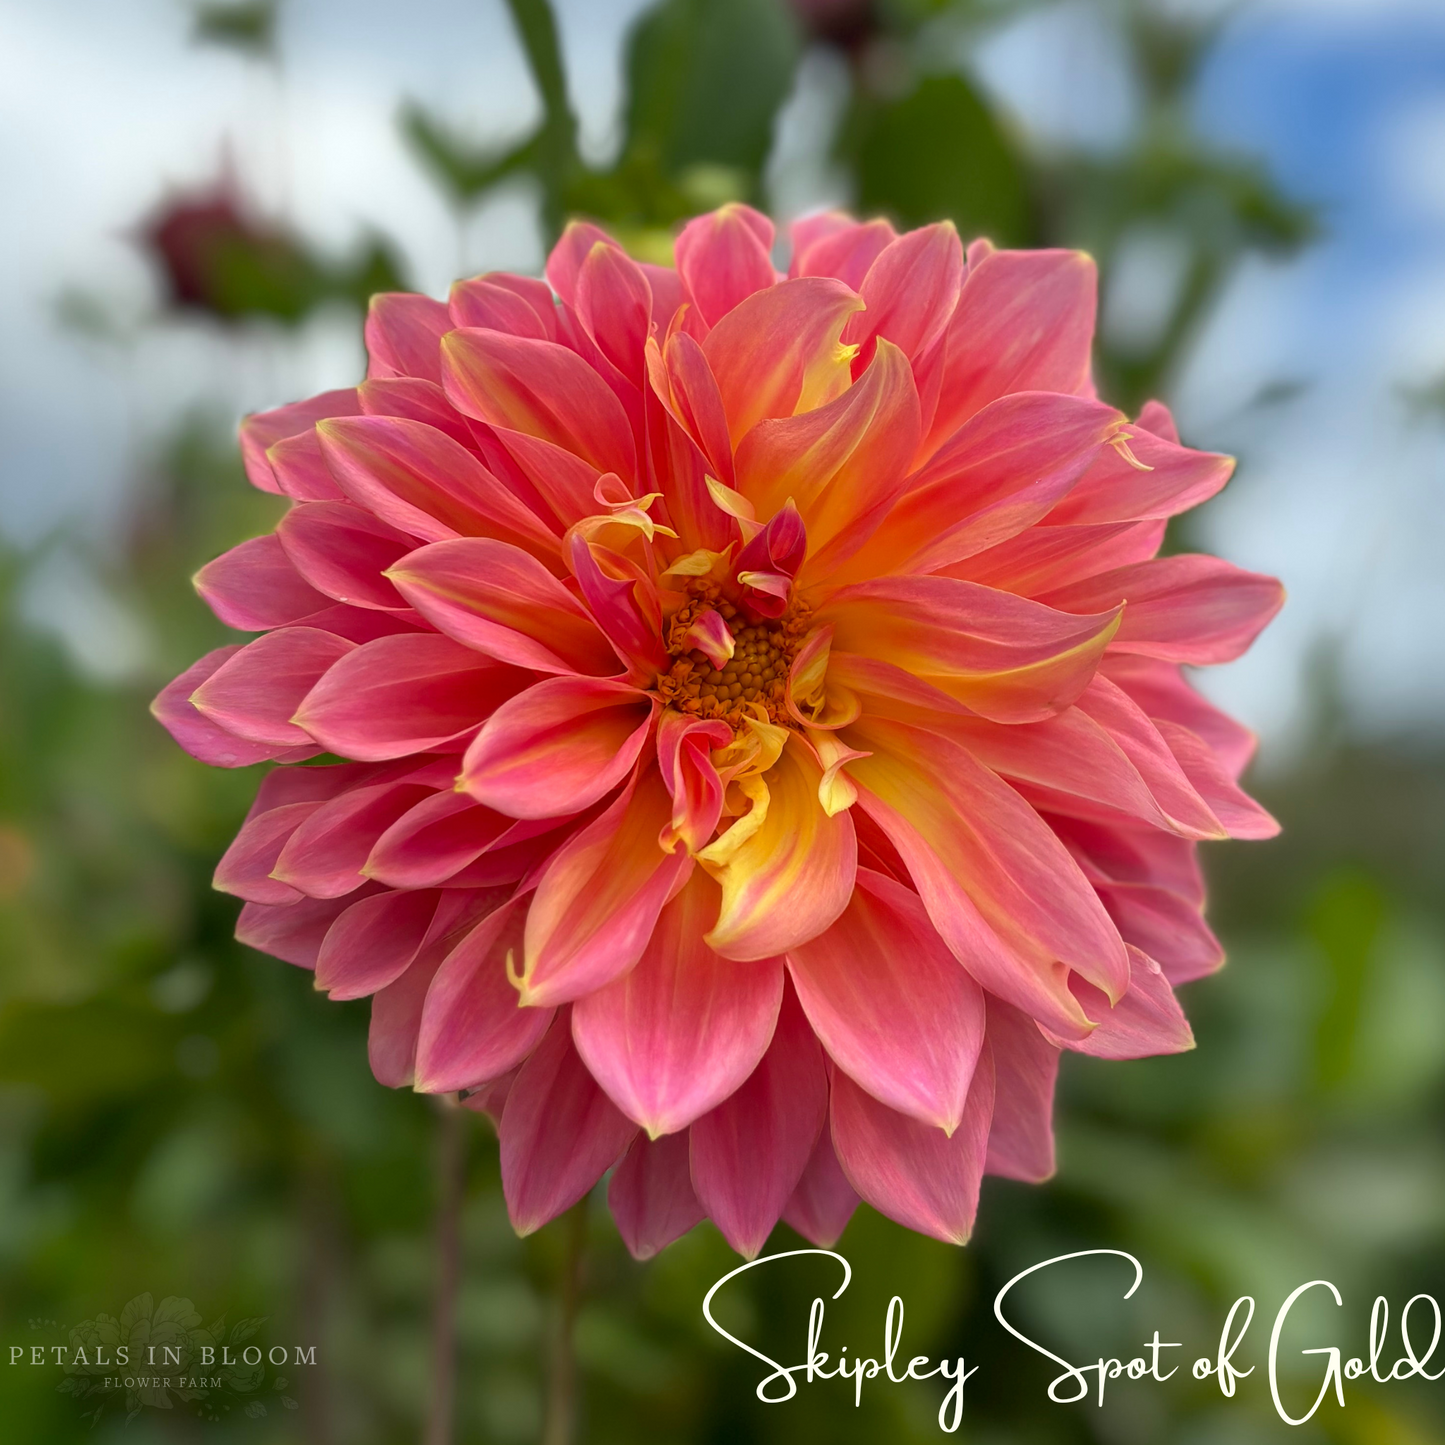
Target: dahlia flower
x: 764, y: 738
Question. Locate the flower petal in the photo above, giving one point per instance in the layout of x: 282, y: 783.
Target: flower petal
x: 374, y: 942
x: 910, y: 291
x: 559, y: 1133
x: 1146, y: 1021
x: 833, y: 244
x: 786, y: 879
x: 651, y: 1195
x: 207, y: 740
x: 1008, y: 658
x: 403, y: 335
x: 262, y: 430
x: 403, y: 695
x: 1024, y: 322
x: 978, y: 852
x: 677, y: 1034
x: 540, y: 388
x: 778, y: 352
x: 472, y: 1027
x: 824, y: 1201
x: 292, y: 932
x: 842, y: 464
x: 917, y: 1175
x: 723, y: 258
x: 255, y: 587
x: 420, y: 480
x: 503, y: 602
x: 599, y: 897
x: 1026, y: 1065
x: 255, y: 693
x: 343, y: 551
x: 558, y: 747
x: 1183, y: 608
x: 749, y: 1153
x: 890, y: 1003
x: 396, y: 1019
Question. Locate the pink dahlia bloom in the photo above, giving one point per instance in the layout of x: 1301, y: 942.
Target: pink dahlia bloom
x: 768, y: 744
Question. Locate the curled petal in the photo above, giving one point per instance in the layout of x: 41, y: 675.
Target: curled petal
x: 1146, y: 1021
x: 677, y: 1034
x: 420, y: 480
x: 560, y: 1133
x: 779, y: 351
x: 403, y: 335
x: 789, y: 874
x: 262, y: 430
x: 723, y: 258
x: 915, y: 1174
x: 542, y: 389
x: 343, y: 551
x: 978, y: 852
x: 633, y: 628
x: 558, y: 747
x: 684, y: 755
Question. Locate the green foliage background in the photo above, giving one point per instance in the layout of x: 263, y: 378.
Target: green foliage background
x: 182, y: 1117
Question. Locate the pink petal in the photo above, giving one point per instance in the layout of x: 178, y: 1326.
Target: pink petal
x: 403, y: 695
x: 542, y: 389
x: 300, y: 468
x: 1042, y: 559
x: 723, y: 258
x: 324, y: 856
x: 417, y: 400
x: 824, y: 1201
x: 614, y: 305
x: 256, y: 693
x: 262, y: 430
x: 403, y: 335
x: 677, y: 1034
x: 1024, y: 322
x: 1240, y: 815
x: 651, y: 1196
x: 1167, y: 927
x: 559, y: 1133
x: 245, y: 867
x: 558, y: 747
x: 890, y: 1003
x: 779, y: 344
x: 1145, y: 1022
x: 482, y: 301
x: 201, y: 737
x: 749, y: 1153
x: 910, y: 290
x: 634, y: 629
x: 1026, y: 1065
x: 254, y: 587
x: 502, y: 602
x: 684, y: 754
x: 342, y: 550
x: 846, y: 250
x: 419, y: 480
x: 396, y: 1018
x: 1114, y: 490
x: 472, y: 1027
x: 919, y: 1176
x: 999, y: 886
x: 600, y: 895
x: 374, y: 942
x: 433, y: 841
x: 292, y: 932
x: 1182, y: 608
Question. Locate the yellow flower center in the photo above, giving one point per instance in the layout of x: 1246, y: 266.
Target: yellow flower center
x: 754, y: 678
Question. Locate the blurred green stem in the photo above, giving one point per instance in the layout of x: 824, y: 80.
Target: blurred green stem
x: 556, y: 139
x: 560, y: 1425
x: 451, y: 1162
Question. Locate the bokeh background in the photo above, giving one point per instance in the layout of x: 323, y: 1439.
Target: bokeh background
x: 199, y: 197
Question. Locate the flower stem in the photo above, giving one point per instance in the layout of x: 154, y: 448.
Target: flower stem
x: 560, y: 1425
x: 451, y: 1163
